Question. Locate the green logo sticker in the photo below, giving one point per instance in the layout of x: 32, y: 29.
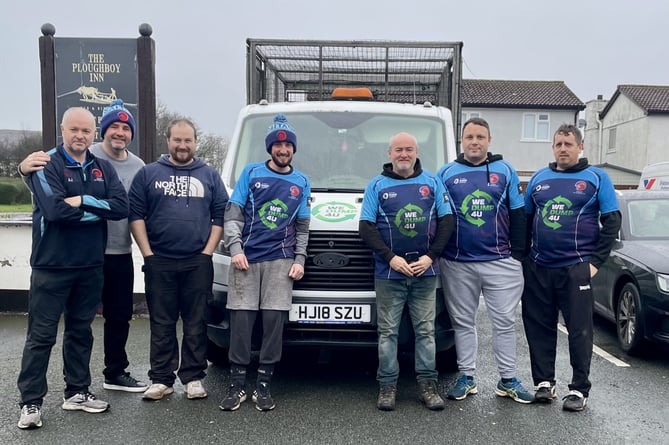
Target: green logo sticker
x: 334, y: 211
x: 273, y: 211
x: 407, y: 218
x: 474, y: 205
x: 554, y: 210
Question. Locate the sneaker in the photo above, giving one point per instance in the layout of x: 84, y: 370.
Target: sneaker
x: 464, y: 386
x: 195, y: 390
x: 85, y: 401
x: 157, y: 391
x: 429, y: 395
x: 515, y: 390
x: 574, y: 401
x: 262, y: 397
x: 386, y: 400
x: 545, y: 392
x: 236, y: 396
x: 31, y: 417
x: 125, y: 382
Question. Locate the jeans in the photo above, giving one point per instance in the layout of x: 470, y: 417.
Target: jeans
x: 419, y: 293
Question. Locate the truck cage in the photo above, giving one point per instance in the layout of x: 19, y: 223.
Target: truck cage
x: 412, y: 72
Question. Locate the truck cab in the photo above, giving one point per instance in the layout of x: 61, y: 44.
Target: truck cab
x: 342, y: 143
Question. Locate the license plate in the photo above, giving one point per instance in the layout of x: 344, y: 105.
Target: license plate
x: 330, y: 313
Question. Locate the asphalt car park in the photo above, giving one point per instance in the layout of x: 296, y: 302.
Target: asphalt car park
x: 333, y: 401
x: 632, y: 287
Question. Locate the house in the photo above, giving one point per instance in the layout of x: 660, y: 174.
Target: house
x: 523, y: 115
x: 629, y: 131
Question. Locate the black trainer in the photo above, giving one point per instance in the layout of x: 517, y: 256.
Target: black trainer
x: 574, y: 401
x: 236, y: 396
x: 263, y: 398
x: 124, y: 382
x: 545, y: 392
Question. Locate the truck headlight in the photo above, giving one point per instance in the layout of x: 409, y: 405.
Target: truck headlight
x: 663, y: 282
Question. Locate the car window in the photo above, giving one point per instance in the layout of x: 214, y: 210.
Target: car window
x: 649, y: 218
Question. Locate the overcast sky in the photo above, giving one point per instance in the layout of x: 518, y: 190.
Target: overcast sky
x: 591, y: 45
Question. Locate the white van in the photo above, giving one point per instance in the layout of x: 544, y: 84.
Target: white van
x: 655, y: 177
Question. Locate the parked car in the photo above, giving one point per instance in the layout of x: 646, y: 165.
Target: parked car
x: 632, y: 286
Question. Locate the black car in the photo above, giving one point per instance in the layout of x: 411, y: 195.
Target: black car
x: 632, y: 286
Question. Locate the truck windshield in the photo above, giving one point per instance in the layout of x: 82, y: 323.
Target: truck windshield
x: 343, y: 151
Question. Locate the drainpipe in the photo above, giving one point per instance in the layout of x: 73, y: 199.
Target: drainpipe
x: 599, y: 139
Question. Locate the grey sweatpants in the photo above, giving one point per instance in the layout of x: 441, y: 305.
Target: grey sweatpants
x: 501, y: 283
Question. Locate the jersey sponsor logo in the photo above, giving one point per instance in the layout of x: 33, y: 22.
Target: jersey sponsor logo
x: 541, y: 187
x: 388, y: 195
x: 457, y: 181
x: 334, y: 211
x: 556, y: 209
x: 260, y: 185
x: 272, y: 213
x: 407, y: 218
x: 475, y: 205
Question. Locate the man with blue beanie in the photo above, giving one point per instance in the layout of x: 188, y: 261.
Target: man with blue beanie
x: 266, y: 231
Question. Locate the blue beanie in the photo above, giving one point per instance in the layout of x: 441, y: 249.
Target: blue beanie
x: 280, y: 131
x: 116, y: 112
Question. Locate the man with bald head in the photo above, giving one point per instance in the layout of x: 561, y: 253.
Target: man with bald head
x: 74, y: 194
x: 406, y: 220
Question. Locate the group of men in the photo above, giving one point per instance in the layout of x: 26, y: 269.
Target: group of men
x: 468, y: 224
x: 471, y: 225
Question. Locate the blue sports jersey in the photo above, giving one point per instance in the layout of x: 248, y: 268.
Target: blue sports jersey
x: 566, y: 208
x: 271, y: 201
x: 481, y: 197
x: 405, y: 212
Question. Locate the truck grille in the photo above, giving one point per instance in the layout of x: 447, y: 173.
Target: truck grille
x: 353, y: 272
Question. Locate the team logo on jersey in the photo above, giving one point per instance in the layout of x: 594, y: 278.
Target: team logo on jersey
x: 424, y: 191
x: 475, y: 205
x: 494, y: 178
x: 97, y: 175
x: 294, y: 191
x: 556, y: 209
x: 580, y: 186
x: 334, y: 211
x: 272, y: 213
x: 68, y: 175
x: 407, y: 218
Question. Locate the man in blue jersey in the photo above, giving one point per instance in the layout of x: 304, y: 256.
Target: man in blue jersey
x: 75, y: 193
x: 266, y: 231
x: 176, y: 217
x: 565, y: 204
x: 483, y: 257
x: 406, y: 221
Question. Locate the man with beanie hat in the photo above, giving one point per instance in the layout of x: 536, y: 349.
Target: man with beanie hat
x: 266, y: 230
x: 117, y: 128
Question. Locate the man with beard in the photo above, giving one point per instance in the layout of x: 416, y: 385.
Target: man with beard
x: 117, y: 129
x: 266, y: 231
x: 176, y: 217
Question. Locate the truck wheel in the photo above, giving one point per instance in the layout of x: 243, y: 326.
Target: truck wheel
x: 217, y: 355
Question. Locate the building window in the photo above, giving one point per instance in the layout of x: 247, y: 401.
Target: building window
x: 612, y: 139
x: 536, y: 127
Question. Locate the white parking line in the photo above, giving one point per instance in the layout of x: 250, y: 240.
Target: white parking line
x: 600, y: 352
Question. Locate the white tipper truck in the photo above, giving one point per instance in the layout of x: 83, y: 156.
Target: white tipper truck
x: 343, y: 143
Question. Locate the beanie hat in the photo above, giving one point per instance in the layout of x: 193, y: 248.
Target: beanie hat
x: 116, y: 112
x: 280, y: 131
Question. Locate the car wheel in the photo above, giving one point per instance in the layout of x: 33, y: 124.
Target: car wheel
x: 217, y: 355
x: 629, y: 319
